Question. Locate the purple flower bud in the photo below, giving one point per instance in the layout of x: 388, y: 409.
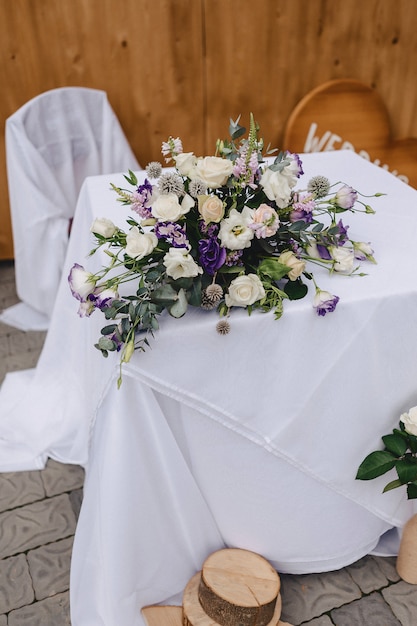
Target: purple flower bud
x: 324, y: 302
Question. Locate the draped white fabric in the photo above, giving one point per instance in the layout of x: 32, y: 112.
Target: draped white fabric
x: 53, y: 143
x: 251, y: 439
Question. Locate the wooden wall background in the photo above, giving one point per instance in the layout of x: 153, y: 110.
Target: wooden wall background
x: 184, y: 67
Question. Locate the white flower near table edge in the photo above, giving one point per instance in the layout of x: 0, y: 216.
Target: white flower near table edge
x: 399, y: 453
x: 217, y: 232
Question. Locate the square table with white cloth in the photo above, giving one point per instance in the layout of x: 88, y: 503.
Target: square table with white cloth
x: 249, y: 440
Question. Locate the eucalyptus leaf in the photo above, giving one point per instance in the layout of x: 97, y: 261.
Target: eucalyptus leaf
x: 105, y: 343
x: 165, y: 294
x: 179, y: 308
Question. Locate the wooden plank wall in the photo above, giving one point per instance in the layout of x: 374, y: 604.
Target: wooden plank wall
x: 183, y: 67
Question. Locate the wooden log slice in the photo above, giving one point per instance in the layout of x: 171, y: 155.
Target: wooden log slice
x: 194, y: 614
x: 238, y: 587
x: 162, y: 615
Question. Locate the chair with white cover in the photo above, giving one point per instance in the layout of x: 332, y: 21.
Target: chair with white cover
x: 53, y: 142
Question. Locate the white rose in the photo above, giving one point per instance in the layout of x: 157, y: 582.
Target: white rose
x: 139, y: 245
x: 410, y: 420
x: 185, y: 163
x: 244, y: 291
x: 180, y: 264
x: 234, y: 232
x: 214, y: 171
x: 343, y: 258
x: 167, y: 207
x: 211, y: 209
x: 277, y: 187
x: 290, y: 260
x: 104, y: 227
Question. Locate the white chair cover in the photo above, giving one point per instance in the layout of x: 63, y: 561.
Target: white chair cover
x: 53, y: 143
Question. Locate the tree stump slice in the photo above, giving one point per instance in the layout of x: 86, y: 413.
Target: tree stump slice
x: 194, y: 614
x: 162, y: 615
x: 238, y: 587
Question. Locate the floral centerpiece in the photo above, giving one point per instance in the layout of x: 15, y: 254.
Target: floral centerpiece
x: 217, y: 232
x: 399, y: 452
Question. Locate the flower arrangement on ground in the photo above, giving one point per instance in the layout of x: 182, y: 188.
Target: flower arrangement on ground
x: 217, y: 232
x: 400, y: 452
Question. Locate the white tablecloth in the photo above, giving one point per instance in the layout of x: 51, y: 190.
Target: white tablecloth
x: 251, y: 439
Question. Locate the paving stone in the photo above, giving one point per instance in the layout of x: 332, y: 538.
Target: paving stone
x: 312, y: 595
x: 20, y: 488
x: 26, y: 342
x: 324, y: 620
x: 76, y: 498
x: 53, y: 611
x: 15, y: 584
x: 22, y: 361
x: 388, y: 565
x: 60, y: 477
x: 367, y: 574
x: 36, y: 524
x: 49, y: 567
x: 371, y: 610
x: 402, y: 599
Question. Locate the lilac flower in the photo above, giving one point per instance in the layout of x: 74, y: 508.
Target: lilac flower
x: 324, y: 302
x: 302, y: 208
x: 345, y: 197
x: 141, y: 198
x: 172, y: 233
x: 212, y: 255
x: 234, y: 258
x: 171, y: 148
x: 244, y: 169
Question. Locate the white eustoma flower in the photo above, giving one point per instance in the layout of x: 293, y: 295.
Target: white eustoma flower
x: 180, y: 264
x: 104, y: 227
x: 343, y: 258
x: 244, y: 291
x: 139, y: 245
x: 410, y: 420
x: 81, y: 282
x: 278, y: 186
x: 235, y: 233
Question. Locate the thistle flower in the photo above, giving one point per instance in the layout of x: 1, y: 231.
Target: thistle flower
x: 211, y: 297
x: 154, y: 169
x: 197, y: 188
x: 171, y: 183
x: 223, y: 327
x: 319, y: 186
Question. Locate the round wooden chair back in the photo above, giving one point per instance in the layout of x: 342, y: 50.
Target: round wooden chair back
x: 347, y: 114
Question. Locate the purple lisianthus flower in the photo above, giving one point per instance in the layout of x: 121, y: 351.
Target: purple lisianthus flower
x: 341, y: 236
x: 172, y: 233
x: 212, y: 254
x: 324, y: 302
x: 103, y: 298
x: 345, y: 197
x: 323, y: 252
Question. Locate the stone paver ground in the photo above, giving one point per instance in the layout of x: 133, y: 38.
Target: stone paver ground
x: 38, y: 516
